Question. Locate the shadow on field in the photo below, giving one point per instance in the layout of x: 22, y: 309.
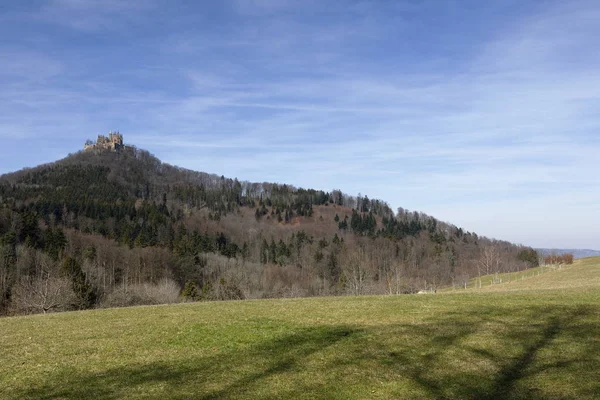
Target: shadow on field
x: 450, y: 365
x: 484, y: 352
x: 511, y: 373
x: 231, y: 374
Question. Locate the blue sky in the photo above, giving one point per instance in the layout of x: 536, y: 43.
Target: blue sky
x: 481, y: 113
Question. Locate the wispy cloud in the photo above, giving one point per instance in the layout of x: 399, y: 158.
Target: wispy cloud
x: 266, y: 7
x: 394, y: 100
x: 89, y: 15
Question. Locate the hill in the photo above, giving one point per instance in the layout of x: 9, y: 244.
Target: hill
x: 532, y: 344
x: 109, y: 228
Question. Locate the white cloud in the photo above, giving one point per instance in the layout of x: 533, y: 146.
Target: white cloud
x: 491, y: 142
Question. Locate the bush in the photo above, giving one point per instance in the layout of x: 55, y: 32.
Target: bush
x: 559, y: 259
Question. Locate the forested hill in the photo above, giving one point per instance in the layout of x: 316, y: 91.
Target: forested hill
x: 102, y: 228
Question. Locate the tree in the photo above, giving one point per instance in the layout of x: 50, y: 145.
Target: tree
x: 489, y: 261
x: 190, y: 291
x: 393, y: 278
x: 530, y: 256
x: 43, y: 294
x: 354, y: 267
x: 86, y: 297
x: 8, y: 258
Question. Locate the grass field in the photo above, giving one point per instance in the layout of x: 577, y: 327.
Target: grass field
x: 495, y: 279
x: 584, y: 273
x: 482, y: 344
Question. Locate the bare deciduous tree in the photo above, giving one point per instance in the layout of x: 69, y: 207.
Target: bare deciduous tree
x: 393, y: 278
x: 355, y: 267
x: 43, y: 294
x: 489, y: 261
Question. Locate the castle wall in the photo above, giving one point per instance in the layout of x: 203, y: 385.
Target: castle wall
x: 113, y: 142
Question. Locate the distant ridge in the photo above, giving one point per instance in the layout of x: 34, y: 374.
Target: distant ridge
x: 577, y: 253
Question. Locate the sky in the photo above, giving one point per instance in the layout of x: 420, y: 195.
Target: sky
x: 484, y: 114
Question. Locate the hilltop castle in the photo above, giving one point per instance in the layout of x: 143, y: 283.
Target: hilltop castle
x: 112, y: 142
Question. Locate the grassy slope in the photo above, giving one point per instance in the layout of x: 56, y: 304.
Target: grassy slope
x: 583, y: 273
x: 527, y: 344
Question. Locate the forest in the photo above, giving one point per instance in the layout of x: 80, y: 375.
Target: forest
x: 105, y: 229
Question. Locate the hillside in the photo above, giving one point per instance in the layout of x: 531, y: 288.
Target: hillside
x: 583, y: 274
x: 533, y: 344
x: 112, y: 228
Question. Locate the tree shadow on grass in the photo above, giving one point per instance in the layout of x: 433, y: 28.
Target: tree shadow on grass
x: 511, y: 373
x: 227, y: 375
x: 515, y: 359
x: 479, y: 353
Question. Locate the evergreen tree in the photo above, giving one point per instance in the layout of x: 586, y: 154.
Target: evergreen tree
x: 190, y: 291
x: 84, y: 292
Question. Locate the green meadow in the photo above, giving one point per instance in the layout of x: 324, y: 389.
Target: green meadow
x: 584, y: 273
x: 534, y: 338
